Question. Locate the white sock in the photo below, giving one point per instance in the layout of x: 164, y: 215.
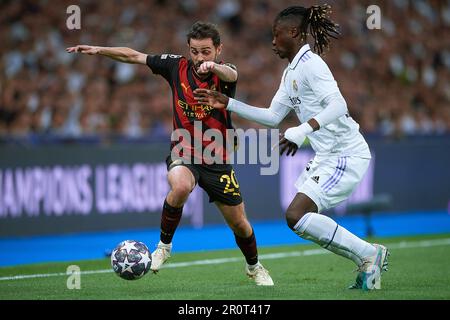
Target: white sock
x: 165, y: 244
x: 331, y: 236
x: 252, y: 267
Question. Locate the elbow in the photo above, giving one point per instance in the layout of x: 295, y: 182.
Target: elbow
x: 274, y: 124
x: 133, y: 56
x: 339, y: 103
x: 227, y: 74
x: 343, y: 107
x: 234, y: 76
x: 334, y: 110
x: 273, y: 120
x: 270, y: 125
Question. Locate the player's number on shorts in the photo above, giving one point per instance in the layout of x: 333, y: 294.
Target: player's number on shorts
x: 230, y: 179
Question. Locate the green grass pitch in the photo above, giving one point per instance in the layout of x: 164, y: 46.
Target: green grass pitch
x: 418, y: 269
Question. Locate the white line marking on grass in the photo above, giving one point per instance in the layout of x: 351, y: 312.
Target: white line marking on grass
x: 311, y: 252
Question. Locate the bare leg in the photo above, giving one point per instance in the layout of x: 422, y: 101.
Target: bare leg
x: 181, y: 181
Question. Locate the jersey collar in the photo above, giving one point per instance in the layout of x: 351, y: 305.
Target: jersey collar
x: 299, y: 55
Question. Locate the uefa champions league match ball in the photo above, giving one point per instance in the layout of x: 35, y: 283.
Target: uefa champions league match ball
x: 131, y: 259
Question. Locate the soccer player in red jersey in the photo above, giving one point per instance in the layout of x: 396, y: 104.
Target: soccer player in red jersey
x: 184, y: 75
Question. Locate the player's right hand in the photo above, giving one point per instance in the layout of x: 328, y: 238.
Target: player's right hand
x: 206, y: 67
x: 212, y: 98
x: 83, y: 49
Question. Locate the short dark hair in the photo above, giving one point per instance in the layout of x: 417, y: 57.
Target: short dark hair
x: 204, y: 30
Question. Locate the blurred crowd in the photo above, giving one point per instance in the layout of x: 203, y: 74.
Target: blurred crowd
x: 396, y: 80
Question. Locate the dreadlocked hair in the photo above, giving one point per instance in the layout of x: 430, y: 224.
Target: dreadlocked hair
x: 314, y: 21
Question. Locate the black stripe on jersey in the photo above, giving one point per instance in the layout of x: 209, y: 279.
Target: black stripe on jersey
x: 176, y: 88
x: 178, y: 96
x: 224, y: 138
x: 211, y: 82
x: 190, y: 77
x: 219, y: 116
x: 228, y: 88
x: 206, y: 127
x: 229, y: 122
x: 175, y: 115
x: 177, y: 85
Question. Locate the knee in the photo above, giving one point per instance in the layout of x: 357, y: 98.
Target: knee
x: 300, y: 206
x: 294, y: 216
x: 240, y: 226
x: 181, y: 190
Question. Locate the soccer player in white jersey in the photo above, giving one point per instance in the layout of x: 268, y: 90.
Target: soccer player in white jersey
x: 342, y: 155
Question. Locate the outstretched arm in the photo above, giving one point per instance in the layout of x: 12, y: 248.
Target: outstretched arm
x: 121, y: 54
x: 270, y: 117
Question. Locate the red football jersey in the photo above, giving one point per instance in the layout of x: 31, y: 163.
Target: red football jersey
x: 188, y: 114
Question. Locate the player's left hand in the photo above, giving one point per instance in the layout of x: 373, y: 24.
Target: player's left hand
x: 206, y: 67
x: 298, y: 134
x: 295, y: 135
x: 285, y: 144
x: 212, y: 98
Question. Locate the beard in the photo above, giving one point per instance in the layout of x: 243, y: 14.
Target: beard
x: 197, y: 65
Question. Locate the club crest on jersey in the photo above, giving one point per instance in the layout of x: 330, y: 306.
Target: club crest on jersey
x: 294, y: 85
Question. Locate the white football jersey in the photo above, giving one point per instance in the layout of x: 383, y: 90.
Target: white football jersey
x: 305, y: 83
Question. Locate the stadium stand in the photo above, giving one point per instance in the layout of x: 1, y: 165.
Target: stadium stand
x: 396, y: 80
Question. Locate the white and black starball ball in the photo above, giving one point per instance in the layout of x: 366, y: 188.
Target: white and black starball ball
x: 131, y: 259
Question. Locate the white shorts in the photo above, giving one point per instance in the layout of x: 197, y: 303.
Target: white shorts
x: 329, y: 181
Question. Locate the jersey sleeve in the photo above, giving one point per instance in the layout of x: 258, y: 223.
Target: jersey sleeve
x: 232, y: 66
x: 281, y: 96
x: 163, y: 64
x: 320, y: 79
x: 229, y: 88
